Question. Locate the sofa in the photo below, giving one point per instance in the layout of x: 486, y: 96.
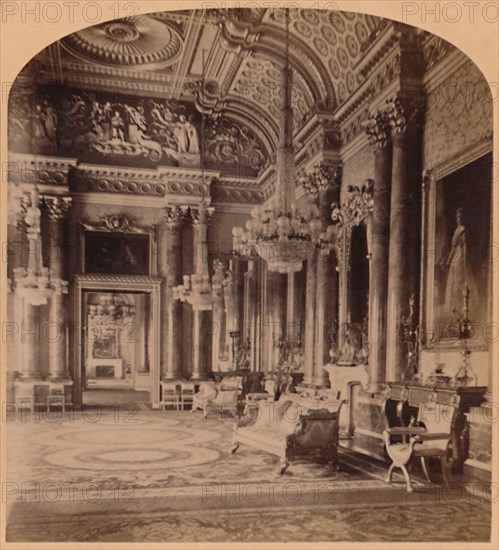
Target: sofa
x: 291, y: 427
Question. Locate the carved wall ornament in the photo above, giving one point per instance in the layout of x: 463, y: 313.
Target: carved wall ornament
x: 117, y: 223
x: 323, y: 176
x: 355, y: 210
x: 357, y: 207
x: 230, y: 143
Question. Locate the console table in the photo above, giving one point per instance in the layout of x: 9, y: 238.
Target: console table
x: 404, y: 400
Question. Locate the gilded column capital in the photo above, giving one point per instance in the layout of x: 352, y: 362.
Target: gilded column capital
x: 174, y: 216
x: 56, y: 206
x: 393, y: 119
x: 378, y: 130
x: 202, y: 215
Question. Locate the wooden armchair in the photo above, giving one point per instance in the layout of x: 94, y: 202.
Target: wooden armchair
x: 427, y: 436
x: 187, y: 391
x: 169, y: 395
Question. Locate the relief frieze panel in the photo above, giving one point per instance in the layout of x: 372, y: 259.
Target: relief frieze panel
x: 101, y: 128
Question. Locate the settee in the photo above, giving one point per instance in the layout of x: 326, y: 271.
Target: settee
x: 291, y: 427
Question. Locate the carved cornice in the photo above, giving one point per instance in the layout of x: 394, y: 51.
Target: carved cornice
x: 136, y: 181
x: 229, y: 191
x: 40, y: 170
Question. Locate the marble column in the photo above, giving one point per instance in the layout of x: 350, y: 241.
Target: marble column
x: 202, y: 314
x: 379, y: 135
x: 276, y: 319
x: 310, y: 318
x: 56, y: 208
x: 30, y: 341
x: 32, y: 286
x: 404, y: 242
x: 170, y: 267
x: 251, y: 316
x: 218, y: 327
x: 326, y: 297
x: 201, y: 362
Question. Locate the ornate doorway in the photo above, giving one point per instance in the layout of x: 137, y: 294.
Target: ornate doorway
x: 116, y: 344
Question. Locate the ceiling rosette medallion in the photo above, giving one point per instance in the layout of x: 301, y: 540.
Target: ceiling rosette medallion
x: 139, y: 40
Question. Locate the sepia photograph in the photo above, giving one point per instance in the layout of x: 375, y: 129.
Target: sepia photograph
x: 249, y: 274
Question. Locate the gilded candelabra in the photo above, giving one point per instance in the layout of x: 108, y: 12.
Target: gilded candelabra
x: 465, y: 375
x: 409, y: 334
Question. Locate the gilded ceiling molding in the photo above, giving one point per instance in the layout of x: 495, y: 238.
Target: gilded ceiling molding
x: 239, y: 31
x: 434, y: 50
x: 302, y: 59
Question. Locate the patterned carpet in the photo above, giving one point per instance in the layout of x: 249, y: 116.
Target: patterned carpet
x: 369, y: 522
x: 167, y: 477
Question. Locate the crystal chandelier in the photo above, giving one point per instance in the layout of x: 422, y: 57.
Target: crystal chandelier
x: 282, y: 233
x: 111, y: 307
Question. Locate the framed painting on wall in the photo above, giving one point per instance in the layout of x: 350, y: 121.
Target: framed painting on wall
x: 458, y: 252
x: 117, y: 253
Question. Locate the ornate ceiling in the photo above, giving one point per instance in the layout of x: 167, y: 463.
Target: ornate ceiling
x: 130, y: 92
x: 161, y: 54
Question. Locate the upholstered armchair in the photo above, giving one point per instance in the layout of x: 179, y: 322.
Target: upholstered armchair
x: 303, y: 430
x: 225, y: 401
x: 207, y: 391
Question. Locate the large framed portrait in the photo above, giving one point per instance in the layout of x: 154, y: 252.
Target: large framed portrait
x: 117, y: 253
x: 458, y: 252
x: 118, y: 246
